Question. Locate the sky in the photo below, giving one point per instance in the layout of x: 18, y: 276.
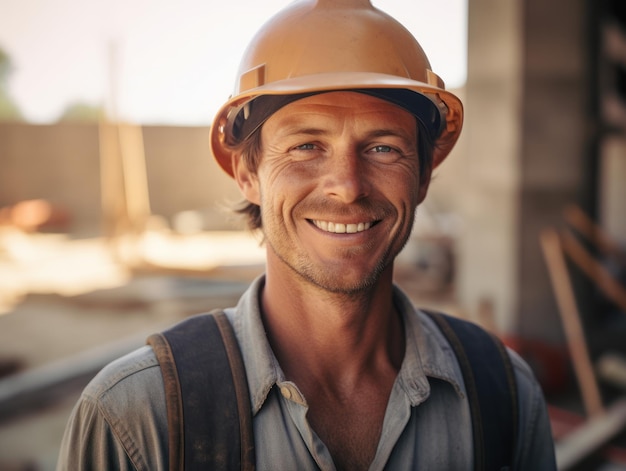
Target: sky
x: 170, y: 61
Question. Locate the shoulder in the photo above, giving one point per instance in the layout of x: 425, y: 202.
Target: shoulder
x: 480, y: 339
x: 129, y: 394
x: 535, y: 447
x: 120, y: 416
x: 135, y: 372
x: 524, y: 374
x: 123, y: 408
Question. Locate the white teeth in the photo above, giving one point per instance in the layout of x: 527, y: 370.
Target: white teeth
x: 338, y: 228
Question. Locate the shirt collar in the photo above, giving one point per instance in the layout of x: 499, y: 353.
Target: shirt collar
x: 427, y: 353
x: 262, y: 368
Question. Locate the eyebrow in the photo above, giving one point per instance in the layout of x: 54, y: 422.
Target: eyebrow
x: 390, y: 132
x: 293, y: 129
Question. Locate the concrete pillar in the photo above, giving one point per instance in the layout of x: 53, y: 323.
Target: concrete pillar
x: 556, y: 147
x: 487, y: 271
x: 526, y: 144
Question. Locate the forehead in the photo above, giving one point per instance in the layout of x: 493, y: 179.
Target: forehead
x: 344, y: 105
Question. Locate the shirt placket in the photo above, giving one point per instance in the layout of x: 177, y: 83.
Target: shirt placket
x: 297, y: 407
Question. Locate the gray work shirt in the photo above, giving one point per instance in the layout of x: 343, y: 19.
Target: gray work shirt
x: 120, y: 420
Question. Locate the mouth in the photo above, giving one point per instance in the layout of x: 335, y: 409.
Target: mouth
x: 340, y: 228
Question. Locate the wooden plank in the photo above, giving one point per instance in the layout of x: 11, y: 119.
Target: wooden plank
x: 603, y: 279
x: 134, y: 169
x: 113, y: 199
x: 578, y: 219
x: 591, y: 436
x: 611, y: 367
x: 577, y: 344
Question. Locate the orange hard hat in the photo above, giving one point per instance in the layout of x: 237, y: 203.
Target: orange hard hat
x: 316, y: 46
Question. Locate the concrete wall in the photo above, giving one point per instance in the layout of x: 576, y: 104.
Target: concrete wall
x: 57, y: 163
x: 182, y: 176
x: 61, y: 163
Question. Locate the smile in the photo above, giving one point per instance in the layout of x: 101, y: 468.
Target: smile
x: 339, y: 228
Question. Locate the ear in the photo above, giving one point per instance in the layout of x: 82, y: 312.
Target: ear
x: 246, y: 180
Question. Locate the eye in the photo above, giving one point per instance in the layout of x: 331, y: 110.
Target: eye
x: 383, y: 149
x: 304, y: 152
x: 307, y: 146
x: 384, y: 153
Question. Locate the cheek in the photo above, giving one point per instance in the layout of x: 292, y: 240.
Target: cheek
x: 280, y: 189
x: 288, y: 180
x: 402, y: 184
x: 414, y: 185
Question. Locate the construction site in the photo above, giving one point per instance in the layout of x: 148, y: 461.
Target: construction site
x: 111, y: 231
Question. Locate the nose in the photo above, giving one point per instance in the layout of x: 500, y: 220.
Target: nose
x: 346, y: 179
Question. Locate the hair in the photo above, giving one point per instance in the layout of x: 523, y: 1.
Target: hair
x: 251, y: 149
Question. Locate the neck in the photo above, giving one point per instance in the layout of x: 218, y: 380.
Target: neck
x: 336, y: 338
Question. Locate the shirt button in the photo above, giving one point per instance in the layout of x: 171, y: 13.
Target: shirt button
x: 286, y: 392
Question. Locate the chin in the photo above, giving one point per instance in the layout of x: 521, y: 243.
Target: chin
x: 339, y: 282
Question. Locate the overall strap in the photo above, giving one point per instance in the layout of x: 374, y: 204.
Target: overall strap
x: 491, y: 390
x: 206, y: 392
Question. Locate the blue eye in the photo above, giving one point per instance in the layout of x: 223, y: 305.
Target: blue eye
x: 383, y: 149
x: 307, y: 146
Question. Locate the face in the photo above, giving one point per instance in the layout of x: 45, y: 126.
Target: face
x: 337, y: 184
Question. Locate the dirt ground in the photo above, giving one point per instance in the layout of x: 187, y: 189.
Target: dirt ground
x: 49, y: 334
x: 67, y: 307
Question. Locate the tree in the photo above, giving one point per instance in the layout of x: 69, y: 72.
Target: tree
x: 8, y: 108
x: 81, y: 112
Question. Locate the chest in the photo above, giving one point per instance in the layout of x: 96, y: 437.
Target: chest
x: 436, y: 434
x: 351, y: 432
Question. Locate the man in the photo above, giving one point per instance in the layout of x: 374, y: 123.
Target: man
x: 332, y: 133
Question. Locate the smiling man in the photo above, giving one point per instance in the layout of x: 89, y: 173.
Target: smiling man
x: 336, y: 184
x: 332, y: 133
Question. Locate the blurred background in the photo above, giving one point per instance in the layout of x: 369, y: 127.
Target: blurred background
x: 115, y: 222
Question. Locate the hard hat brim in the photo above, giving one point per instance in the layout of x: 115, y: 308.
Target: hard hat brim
x: 449, y: 106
